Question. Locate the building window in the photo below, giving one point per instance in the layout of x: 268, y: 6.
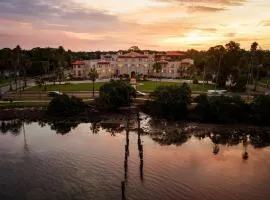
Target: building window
x: 78, y: 66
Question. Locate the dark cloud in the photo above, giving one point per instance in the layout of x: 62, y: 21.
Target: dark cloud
x: 192, y: 9
x: 65, y: 13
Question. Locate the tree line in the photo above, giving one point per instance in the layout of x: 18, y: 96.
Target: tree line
x: 221, y: 63
x: 231, y: 62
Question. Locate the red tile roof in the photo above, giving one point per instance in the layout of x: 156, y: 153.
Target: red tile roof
x: 171, y: 53
x: 133, y: 55
x: 78, y: 62
x: 123, y: 56
x: 103, y: 63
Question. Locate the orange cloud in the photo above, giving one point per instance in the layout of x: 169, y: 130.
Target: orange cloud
x: 193, y: 9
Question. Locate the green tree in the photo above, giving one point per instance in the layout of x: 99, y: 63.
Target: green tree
x: 26, y: 65
x: 115, y: 94
x: 157, y: 67
x: 40, y: 83
x: 65, y: 106
x: 93, y: 75
x: 208, y: 77
x: 170, y: 102
x: 46, y: 68
x: 16, y: 64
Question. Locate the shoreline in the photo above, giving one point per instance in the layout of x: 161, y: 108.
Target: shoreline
x: 92, y: 115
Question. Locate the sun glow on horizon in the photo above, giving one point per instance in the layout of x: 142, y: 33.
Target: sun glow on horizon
x: 150, y: 24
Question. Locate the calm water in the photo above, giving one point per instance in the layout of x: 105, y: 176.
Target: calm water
x: 38, y: 163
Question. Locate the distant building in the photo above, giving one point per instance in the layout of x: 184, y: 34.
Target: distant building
x: 114, y: 65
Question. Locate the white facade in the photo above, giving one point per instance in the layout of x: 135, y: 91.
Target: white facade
x: 119, y: 64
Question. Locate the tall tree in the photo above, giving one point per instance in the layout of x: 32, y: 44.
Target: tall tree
x: 157, y: 67
x: 16, y: 64
x: 93, y: 75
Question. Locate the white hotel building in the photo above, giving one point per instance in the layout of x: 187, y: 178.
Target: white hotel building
x: 112, y: 65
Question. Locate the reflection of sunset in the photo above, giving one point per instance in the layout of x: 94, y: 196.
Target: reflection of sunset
x: 93, y: 165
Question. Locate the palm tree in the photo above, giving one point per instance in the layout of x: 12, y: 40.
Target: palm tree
x: 40, y: 84
x: 45, y: 67
x: 60, y: 75
x: 16, y: 63
x: 93, y: 74
x: 27, y: 64
x: 157, y: 67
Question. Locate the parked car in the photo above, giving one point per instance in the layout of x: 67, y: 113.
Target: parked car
x: 216, y: 92
x: 54, y: 93
x: 140, y: 94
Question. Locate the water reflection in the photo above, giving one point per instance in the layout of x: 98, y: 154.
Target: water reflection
x: 124, y: 183
x: 89, y: 166
x: 63, y: 127
x: 95, y: 127
x: 140, y: 146
x: 160, y: 131
x: 177, y: 134
x: 245, y: 145
x: 25, y: 139
x: 12, y: 126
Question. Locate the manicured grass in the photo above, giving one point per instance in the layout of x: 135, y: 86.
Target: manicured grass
x: 23, y: 104
x: 149, y: 86
x: 145, y: 86
x: 68, y: 87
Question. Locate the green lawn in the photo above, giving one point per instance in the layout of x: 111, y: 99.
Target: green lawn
x: 145, y: 86
x: 68, y: 87
x: 22, y: 104
x: 149, y: 86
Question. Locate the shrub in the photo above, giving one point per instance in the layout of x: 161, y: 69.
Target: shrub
x: 115, y: 94
x: 240, y: 85
x: 195, y: 81
x: 63, y: 105
x: 208, y: 77
x: 261, y: 109
x: 222, y: 109
x: 170, y: 102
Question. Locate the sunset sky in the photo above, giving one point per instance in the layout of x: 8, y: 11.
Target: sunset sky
x: 119, y: 24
